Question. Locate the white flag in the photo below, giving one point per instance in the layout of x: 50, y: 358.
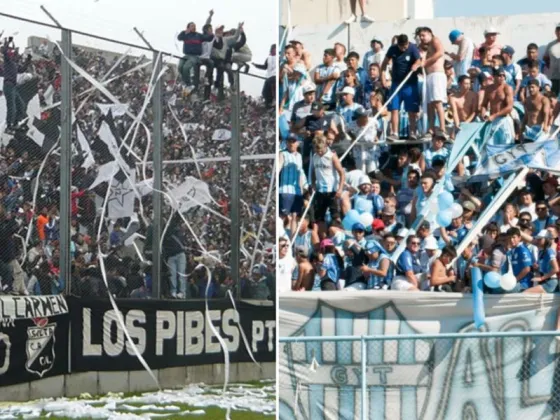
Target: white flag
x: 145, y: 187
x: 117, y: 109
x: 191, y: 193
x: 34, y: 109
x: 221, y: 135
x: 105, y: 173
x: 121, y: 200
x: 36, y: 135
x: 89, y: 161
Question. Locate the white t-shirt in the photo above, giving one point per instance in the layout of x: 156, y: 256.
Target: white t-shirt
x: 553, y: 51
x: 286, y: 266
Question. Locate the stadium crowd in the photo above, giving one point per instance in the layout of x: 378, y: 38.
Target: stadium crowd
x: 30, y: 175
x: 356, y: 179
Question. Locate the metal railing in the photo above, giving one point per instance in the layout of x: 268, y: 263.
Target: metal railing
x: 508, y: 374
x: 69, y: 94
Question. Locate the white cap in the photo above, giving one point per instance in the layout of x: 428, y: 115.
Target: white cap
x: 544, y: 234
x: 309, y: 88
x: 402, y: 233
x: 431, y: 243
x: 491, y: 30
x: 364, y: 179
x: 348, y: 90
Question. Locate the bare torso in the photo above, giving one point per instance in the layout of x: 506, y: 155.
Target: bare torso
x: 466, y: 104
x: 496, y: 95
x: 438, y: 65
x: 534, y: 108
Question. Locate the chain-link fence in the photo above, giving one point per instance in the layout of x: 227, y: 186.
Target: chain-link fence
x: 505, y: 375
x: 117, y: 175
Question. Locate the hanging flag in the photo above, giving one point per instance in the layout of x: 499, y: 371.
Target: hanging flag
x: 191, y: 193
x: 84, y: 145
x: 105, y: 173
x: 221, y: 135
x: 121, y: 199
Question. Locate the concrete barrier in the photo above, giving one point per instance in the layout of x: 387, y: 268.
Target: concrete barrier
x: 98, y: 383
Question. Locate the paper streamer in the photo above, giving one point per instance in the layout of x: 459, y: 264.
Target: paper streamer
x: 243, y: 336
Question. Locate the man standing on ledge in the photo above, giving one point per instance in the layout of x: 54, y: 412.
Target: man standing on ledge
x: 192, y: 50
x: 436, y: 80
x: 405, y: 58
x: 498, y: 100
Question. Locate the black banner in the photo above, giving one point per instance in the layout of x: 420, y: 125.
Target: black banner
x: 33, y: 338
x: 167, y: 333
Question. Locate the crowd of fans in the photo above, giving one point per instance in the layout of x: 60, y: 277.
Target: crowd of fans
x: 29, y: 179
x: 355, y: 177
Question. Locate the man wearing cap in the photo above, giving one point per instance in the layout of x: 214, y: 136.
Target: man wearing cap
x: 356, y: 258
x: 302, y: 108
x: 408, y: 268
x: 462, y: 59
x: 379, y: 268
x: 455, y: 233
x: 512, y: 68
x: 537, y: 111
x: 325, y: 78
x: 552, y: 60
x: 534, y: 74
x: 375, y: 55
x: 326, y: 272
x: 496, y: 108
x: 405, y: 58
x: 366, y: 152
x: 292, y: 180
x: 436, y: 80
x: 491, y: 43
x: 347, y: 107
x: 546, y: 278
x: 464, y: 104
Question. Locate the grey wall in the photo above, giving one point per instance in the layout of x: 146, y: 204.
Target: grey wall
x: 97, y: 383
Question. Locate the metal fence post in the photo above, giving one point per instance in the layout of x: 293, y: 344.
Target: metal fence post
x: 65, y: 161
x: 364, y: 379
x: 157, y: 168
x: 235, y: 172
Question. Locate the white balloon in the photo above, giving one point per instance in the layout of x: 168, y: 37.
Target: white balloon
x: 366, y: 219
x: 508, y: 282
x: 456, y: 210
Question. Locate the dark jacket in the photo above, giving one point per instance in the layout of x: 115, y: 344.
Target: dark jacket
x: 192, y: 42
x: 8, y: 251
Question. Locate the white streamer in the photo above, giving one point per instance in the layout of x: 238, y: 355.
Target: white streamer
x: 243, y: 336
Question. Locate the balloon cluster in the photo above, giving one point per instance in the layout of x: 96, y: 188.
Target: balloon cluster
x: 447, y: 209
x: 354, y: 216
x: 494, y: 280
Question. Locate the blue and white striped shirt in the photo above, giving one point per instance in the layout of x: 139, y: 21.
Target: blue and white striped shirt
x: 290, y: 174
x: 326, y: 177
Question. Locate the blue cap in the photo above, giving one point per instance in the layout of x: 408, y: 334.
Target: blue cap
x: 372, y: 247
x: 358, y: 226
x: 454, y: 34
x: 508, y: 50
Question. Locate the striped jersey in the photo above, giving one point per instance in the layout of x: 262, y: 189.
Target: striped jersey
x: 326, y: 177
x: 292, y: 170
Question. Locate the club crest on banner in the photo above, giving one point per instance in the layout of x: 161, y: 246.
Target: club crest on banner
x: 40, y: 347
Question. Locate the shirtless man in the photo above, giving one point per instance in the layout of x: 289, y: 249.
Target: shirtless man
x: 306, y: 274
x: 302, y: 56
x: 436, y: 80
x: 498, y: 99
x: 536, y: 121
x: 442, y: 279
x: 464, y: 104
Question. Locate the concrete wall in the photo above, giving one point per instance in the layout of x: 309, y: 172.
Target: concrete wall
x: 516, y: 30
x: 97, y: 383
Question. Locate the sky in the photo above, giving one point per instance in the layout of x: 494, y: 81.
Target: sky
x: 116, y: 18
x: 456, y: 8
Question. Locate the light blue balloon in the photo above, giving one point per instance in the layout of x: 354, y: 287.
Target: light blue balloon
x: 444, y: 218
x: 363, y: 205
x: 478, y: 298
x: 445, y: 200
x: 492, y: 279
x: 353, y: 216
x: 283, y: 126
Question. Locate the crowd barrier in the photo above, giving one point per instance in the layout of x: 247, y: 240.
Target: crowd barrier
x: 48, y: 336
x: 417, y: 356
